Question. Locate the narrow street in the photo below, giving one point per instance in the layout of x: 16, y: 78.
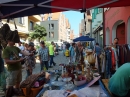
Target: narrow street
x: 57, y: 59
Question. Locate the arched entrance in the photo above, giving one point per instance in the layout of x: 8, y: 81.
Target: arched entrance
x: 119, y: 31
x: 128, y: 31
x: 107, y: 36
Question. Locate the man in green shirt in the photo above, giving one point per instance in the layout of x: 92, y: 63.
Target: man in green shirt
x: 11, y: 58
x: 119, y: 83
x: 51, y: 53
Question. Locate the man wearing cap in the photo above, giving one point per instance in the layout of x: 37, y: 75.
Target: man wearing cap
x: 43, y: 54
x: 13, y: 61
x: 51, y: 53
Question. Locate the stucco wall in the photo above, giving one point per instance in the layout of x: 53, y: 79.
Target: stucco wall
x: 113, y: 17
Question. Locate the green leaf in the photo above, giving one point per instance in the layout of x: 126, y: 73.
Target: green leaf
x: 38, y: 32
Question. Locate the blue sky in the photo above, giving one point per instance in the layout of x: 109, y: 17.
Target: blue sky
x: 74, y: 19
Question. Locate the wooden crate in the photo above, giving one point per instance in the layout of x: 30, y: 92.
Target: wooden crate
x: 105, y: 83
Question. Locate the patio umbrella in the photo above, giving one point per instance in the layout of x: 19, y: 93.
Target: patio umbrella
x: 34, y: 7
x: 83, y: 39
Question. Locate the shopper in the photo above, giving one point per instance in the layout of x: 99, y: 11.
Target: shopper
x: 119, y: 83
x: 43, y: 54
x: 30, y: 60
x: 51, y: 53
x: 72, y: 53
x: 13, y: 61
x: 97, y: 49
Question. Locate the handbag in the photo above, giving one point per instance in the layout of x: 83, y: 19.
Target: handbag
x: 90, y: 58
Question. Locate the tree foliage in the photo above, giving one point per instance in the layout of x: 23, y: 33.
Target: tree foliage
x: 39, y: 32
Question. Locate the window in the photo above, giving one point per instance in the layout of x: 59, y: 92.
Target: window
x: 52, y: 34
x: 52, y: 26
x: 49, y: 26
x: 49, y: 18
x: 31, y: 25
x: 49, y: 34
x: 21, y: 20
x: 99, y: 10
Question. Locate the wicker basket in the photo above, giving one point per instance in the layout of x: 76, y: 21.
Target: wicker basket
x: 34, y: 93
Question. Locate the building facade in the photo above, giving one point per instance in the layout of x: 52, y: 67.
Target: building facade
x: 71, y: 35
x: 117, y: 25
x: 88, y: 23
x: 97, y: 25
x: 82, y: 28
x: 57, y: 27
x: 85, y: 27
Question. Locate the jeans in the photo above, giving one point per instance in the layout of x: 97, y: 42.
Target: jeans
x: 44, y: 63
x: 51, y: 60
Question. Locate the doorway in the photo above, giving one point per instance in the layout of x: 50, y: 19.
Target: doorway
x: 120, y: 33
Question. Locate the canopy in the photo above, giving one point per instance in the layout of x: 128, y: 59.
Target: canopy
x: 83, y: 38
x: 5, y: 1
x: 34, y: 7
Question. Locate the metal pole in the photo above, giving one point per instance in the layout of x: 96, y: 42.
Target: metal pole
x: 103, y: 27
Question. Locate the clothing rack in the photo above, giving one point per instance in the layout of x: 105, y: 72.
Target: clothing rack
x: 115, y: 45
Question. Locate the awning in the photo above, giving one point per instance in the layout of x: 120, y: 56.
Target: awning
x: 83, y: 39
x: 34, y: 7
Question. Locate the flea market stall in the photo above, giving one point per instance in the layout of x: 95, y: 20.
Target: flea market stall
x: 68, y: 77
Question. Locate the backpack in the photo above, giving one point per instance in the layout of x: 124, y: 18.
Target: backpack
x: 67, y: 53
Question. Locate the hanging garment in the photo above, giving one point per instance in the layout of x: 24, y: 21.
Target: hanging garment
x: 13, y: 36
x: 96, y: 62
x: 113, y: 59
x: 4, y: 31
x: 108, y: 63
x: 102, y: 62
x: 125, y: 54
x: 121, y: 56
x: 128, y: 53
x: 115, y: 67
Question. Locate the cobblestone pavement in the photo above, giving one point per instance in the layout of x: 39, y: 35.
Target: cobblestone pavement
x: 57, y: 59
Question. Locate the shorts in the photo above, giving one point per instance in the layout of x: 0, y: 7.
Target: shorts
x: 14, y: 77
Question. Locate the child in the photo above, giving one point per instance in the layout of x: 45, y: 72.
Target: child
x: 30, y: 60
